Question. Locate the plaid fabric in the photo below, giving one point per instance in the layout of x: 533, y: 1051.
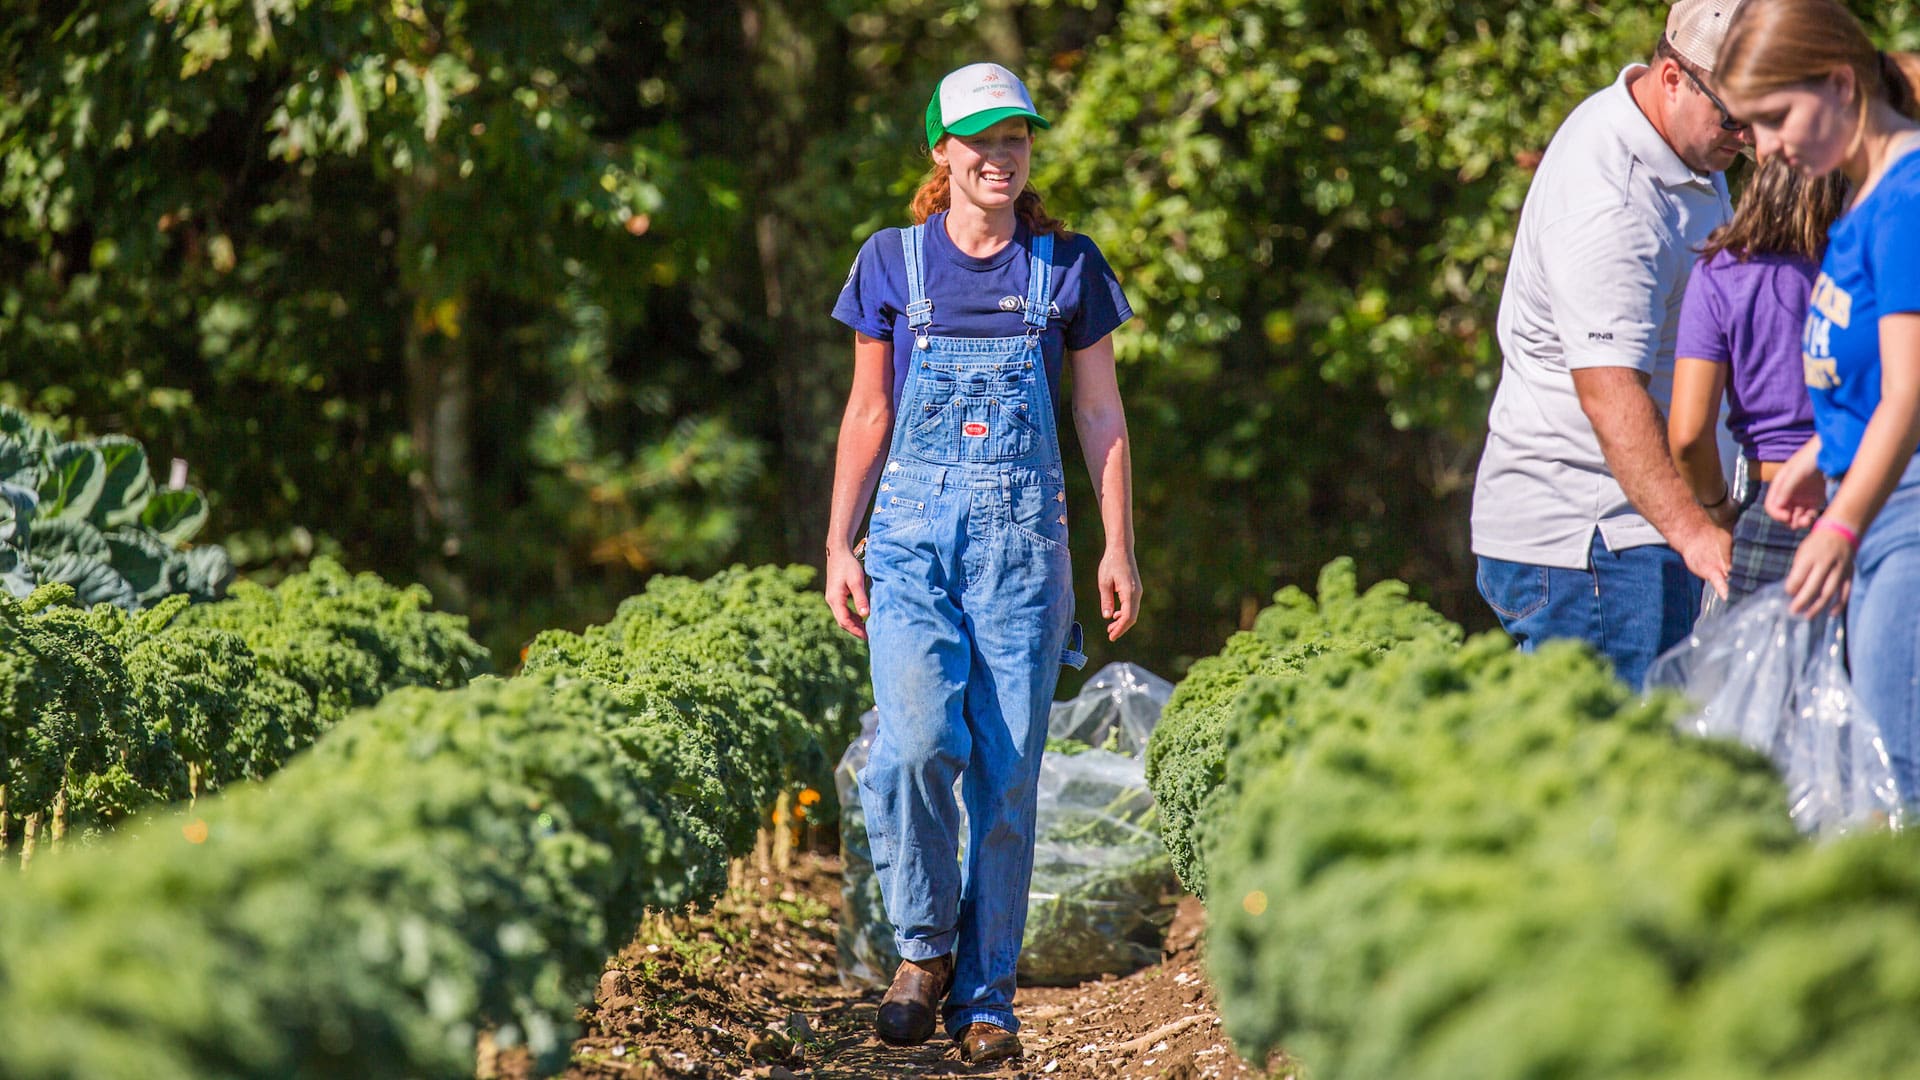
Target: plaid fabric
x: 1762, y: 547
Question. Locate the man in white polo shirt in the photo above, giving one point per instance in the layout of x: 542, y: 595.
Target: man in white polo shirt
x: 1582, y: 526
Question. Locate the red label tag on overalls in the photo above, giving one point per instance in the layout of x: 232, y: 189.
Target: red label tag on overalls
x: 974, y: 429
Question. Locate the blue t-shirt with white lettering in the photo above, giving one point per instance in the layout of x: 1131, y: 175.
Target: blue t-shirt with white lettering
x: 1872, y: 269
x: 967, y: 294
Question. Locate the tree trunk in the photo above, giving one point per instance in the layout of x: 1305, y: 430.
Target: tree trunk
x: 439, y: 408
x: 4, y: 822
x: 1000, y: 32
x: 439, y: 375
x: 801, y: 85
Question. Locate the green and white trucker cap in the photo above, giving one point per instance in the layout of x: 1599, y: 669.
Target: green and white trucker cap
x: 976, y: 97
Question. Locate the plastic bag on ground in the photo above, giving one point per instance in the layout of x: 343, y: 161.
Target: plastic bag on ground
x: 1103, y: 890
x: 1777, y: 683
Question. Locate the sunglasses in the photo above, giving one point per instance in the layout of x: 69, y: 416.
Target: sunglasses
x: 1727, y: 122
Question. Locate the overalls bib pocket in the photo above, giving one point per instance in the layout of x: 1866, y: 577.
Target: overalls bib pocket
x: 930, y: 420
x: 989, y: 432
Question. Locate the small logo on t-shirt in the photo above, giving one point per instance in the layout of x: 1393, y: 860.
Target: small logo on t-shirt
x: 1011, y: 303
x: 1600, y: 335
x: 974, y: 429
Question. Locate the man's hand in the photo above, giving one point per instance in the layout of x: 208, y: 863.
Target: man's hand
x: 1633, y: 439
x: 1709, y: 555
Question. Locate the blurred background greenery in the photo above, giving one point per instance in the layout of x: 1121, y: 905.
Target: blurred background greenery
x: 528, y: 301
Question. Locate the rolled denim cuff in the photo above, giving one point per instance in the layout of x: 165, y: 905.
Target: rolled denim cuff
x: 920, y: 950
x: 999, y: 1016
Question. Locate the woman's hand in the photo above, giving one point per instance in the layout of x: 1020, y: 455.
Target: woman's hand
x: 847, y: 592
x: 1798, y: 492
x: 1822, y: 575
x: 1119, y: 591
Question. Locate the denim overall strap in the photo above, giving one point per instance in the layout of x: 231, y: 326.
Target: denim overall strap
x: 1039, y: 309
x: 913, y: 243
x: 919, y: 318
x: 1039, y: 306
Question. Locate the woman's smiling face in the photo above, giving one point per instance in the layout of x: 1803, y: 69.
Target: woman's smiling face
x: 989, y: 170
x: 1812, y: 124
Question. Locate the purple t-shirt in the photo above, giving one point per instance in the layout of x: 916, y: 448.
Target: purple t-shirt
x: 967, y: 293
x: 1749, y: 315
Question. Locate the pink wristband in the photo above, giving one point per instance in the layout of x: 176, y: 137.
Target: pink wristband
x: 1852, y: 538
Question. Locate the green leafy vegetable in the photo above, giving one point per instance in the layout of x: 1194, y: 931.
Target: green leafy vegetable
x: 441, y: 860
x: 1427, y: 860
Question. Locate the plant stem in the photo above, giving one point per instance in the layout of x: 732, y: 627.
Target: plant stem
x: 59, y: 831
x: 29, y: 836
x: 783, y: 833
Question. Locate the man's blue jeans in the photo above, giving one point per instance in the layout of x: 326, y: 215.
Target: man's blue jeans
x: 1883, y: 630
x: 1630, y: 605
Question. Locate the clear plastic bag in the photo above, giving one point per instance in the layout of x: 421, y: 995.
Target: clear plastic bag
x: 1103, y: 889
x: 1777, y: 683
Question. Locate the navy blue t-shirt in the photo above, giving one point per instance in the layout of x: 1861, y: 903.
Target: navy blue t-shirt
x: 967, y: 293
x: 1869, y: 271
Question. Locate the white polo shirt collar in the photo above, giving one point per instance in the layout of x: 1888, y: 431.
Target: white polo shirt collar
x: 1643, y: 139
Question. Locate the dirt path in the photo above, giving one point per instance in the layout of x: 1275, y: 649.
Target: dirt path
x: 750, y: 990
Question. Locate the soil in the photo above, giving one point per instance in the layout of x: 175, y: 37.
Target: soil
x: 750, y: 990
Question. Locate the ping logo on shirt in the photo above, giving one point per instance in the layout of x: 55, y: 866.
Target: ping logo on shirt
x: 1831, y: 306
x: 974, y: 429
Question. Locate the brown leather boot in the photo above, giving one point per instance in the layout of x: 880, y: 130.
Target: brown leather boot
x: 912, y: 1004
x: 986, y: 1044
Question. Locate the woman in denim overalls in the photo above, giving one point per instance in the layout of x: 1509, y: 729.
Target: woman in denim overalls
x: 952, y: 415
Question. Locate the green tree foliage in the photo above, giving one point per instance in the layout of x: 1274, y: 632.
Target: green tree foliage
x: 437, y: 861
x: 529, y: 303
x: 368, y: 239
x: 1433, y: 860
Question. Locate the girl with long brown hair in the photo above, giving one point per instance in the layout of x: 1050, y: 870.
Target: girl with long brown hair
x: 1739, y: 340
x: 964, y: 325
x: 1818, y: 93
